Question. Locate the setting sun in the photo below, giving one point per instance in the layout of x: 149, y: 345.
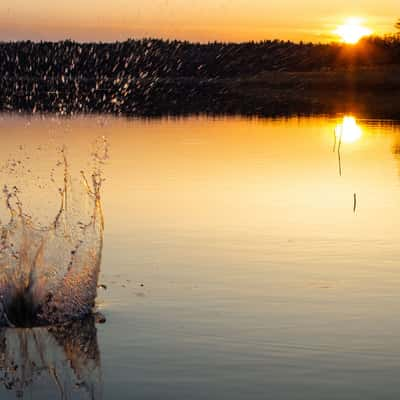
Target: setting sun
x: 352, y: 31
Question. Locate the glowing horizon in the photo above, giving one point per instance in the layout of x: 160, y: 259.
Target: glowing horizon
x: 223, y: 20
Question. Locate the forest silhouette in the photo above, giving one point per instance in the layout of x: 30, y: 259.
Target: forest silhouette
x: 156, y: 77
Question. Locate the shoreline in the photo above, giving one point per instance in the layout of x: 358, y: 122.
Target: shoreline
x: 370, y: 93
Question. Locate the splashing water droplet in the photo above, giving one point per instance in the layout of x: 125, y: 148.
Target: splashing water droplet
x: 49, y: 274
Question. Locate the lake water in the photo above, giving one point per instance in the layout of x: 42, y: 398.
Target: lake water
x: 243, y: 259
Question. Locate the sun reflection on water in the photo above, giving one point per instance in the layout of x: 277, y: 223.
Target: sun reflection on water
x: 348, y: 131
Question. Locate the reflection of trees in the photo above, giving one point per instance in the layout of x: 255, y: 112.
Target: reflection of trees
x: 64, y: 358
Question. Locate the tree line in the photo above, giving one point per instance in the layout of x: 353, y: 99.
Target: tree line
x: 151, y: 58
x: 154, y: 77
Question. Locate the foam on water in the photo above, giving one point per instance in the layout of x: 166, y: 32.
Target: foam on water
x: 49, y: 273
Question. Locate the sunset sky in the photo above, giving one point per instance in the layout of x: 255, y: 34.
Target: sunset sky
x: 205, y: 20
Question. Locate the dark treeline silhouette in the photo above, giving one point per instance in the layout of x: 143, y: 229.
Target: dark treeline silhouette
x: 172, y: 59
x: 152, y: 76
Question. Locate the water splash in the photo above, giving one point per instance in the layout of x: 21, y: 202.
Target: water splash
x: 49, y: 274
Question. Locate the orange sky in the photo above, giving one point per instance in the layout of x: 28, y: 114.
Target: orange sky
x: 205, y: 20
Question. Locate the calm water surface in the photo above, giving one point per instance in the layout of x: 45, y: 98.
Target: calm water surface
x: 242, y: 258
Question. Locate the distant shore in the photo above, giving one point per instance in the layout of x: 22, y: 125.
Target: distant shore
x: 155, y: 78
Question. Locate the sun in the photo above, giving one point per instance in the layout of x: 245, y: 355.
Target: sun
x: 352, y: 31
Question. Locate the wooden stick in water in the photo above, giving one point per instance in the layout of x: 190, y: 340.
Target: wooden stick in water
x: 354, y: 202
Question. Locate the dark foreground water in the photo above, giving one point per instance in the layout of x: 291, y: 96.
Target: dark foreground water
x: 243, y: 259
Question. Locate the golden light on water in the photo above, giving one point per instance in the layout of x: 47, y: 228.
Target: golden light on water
x: 352, y: 31
x: 348, y: 131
